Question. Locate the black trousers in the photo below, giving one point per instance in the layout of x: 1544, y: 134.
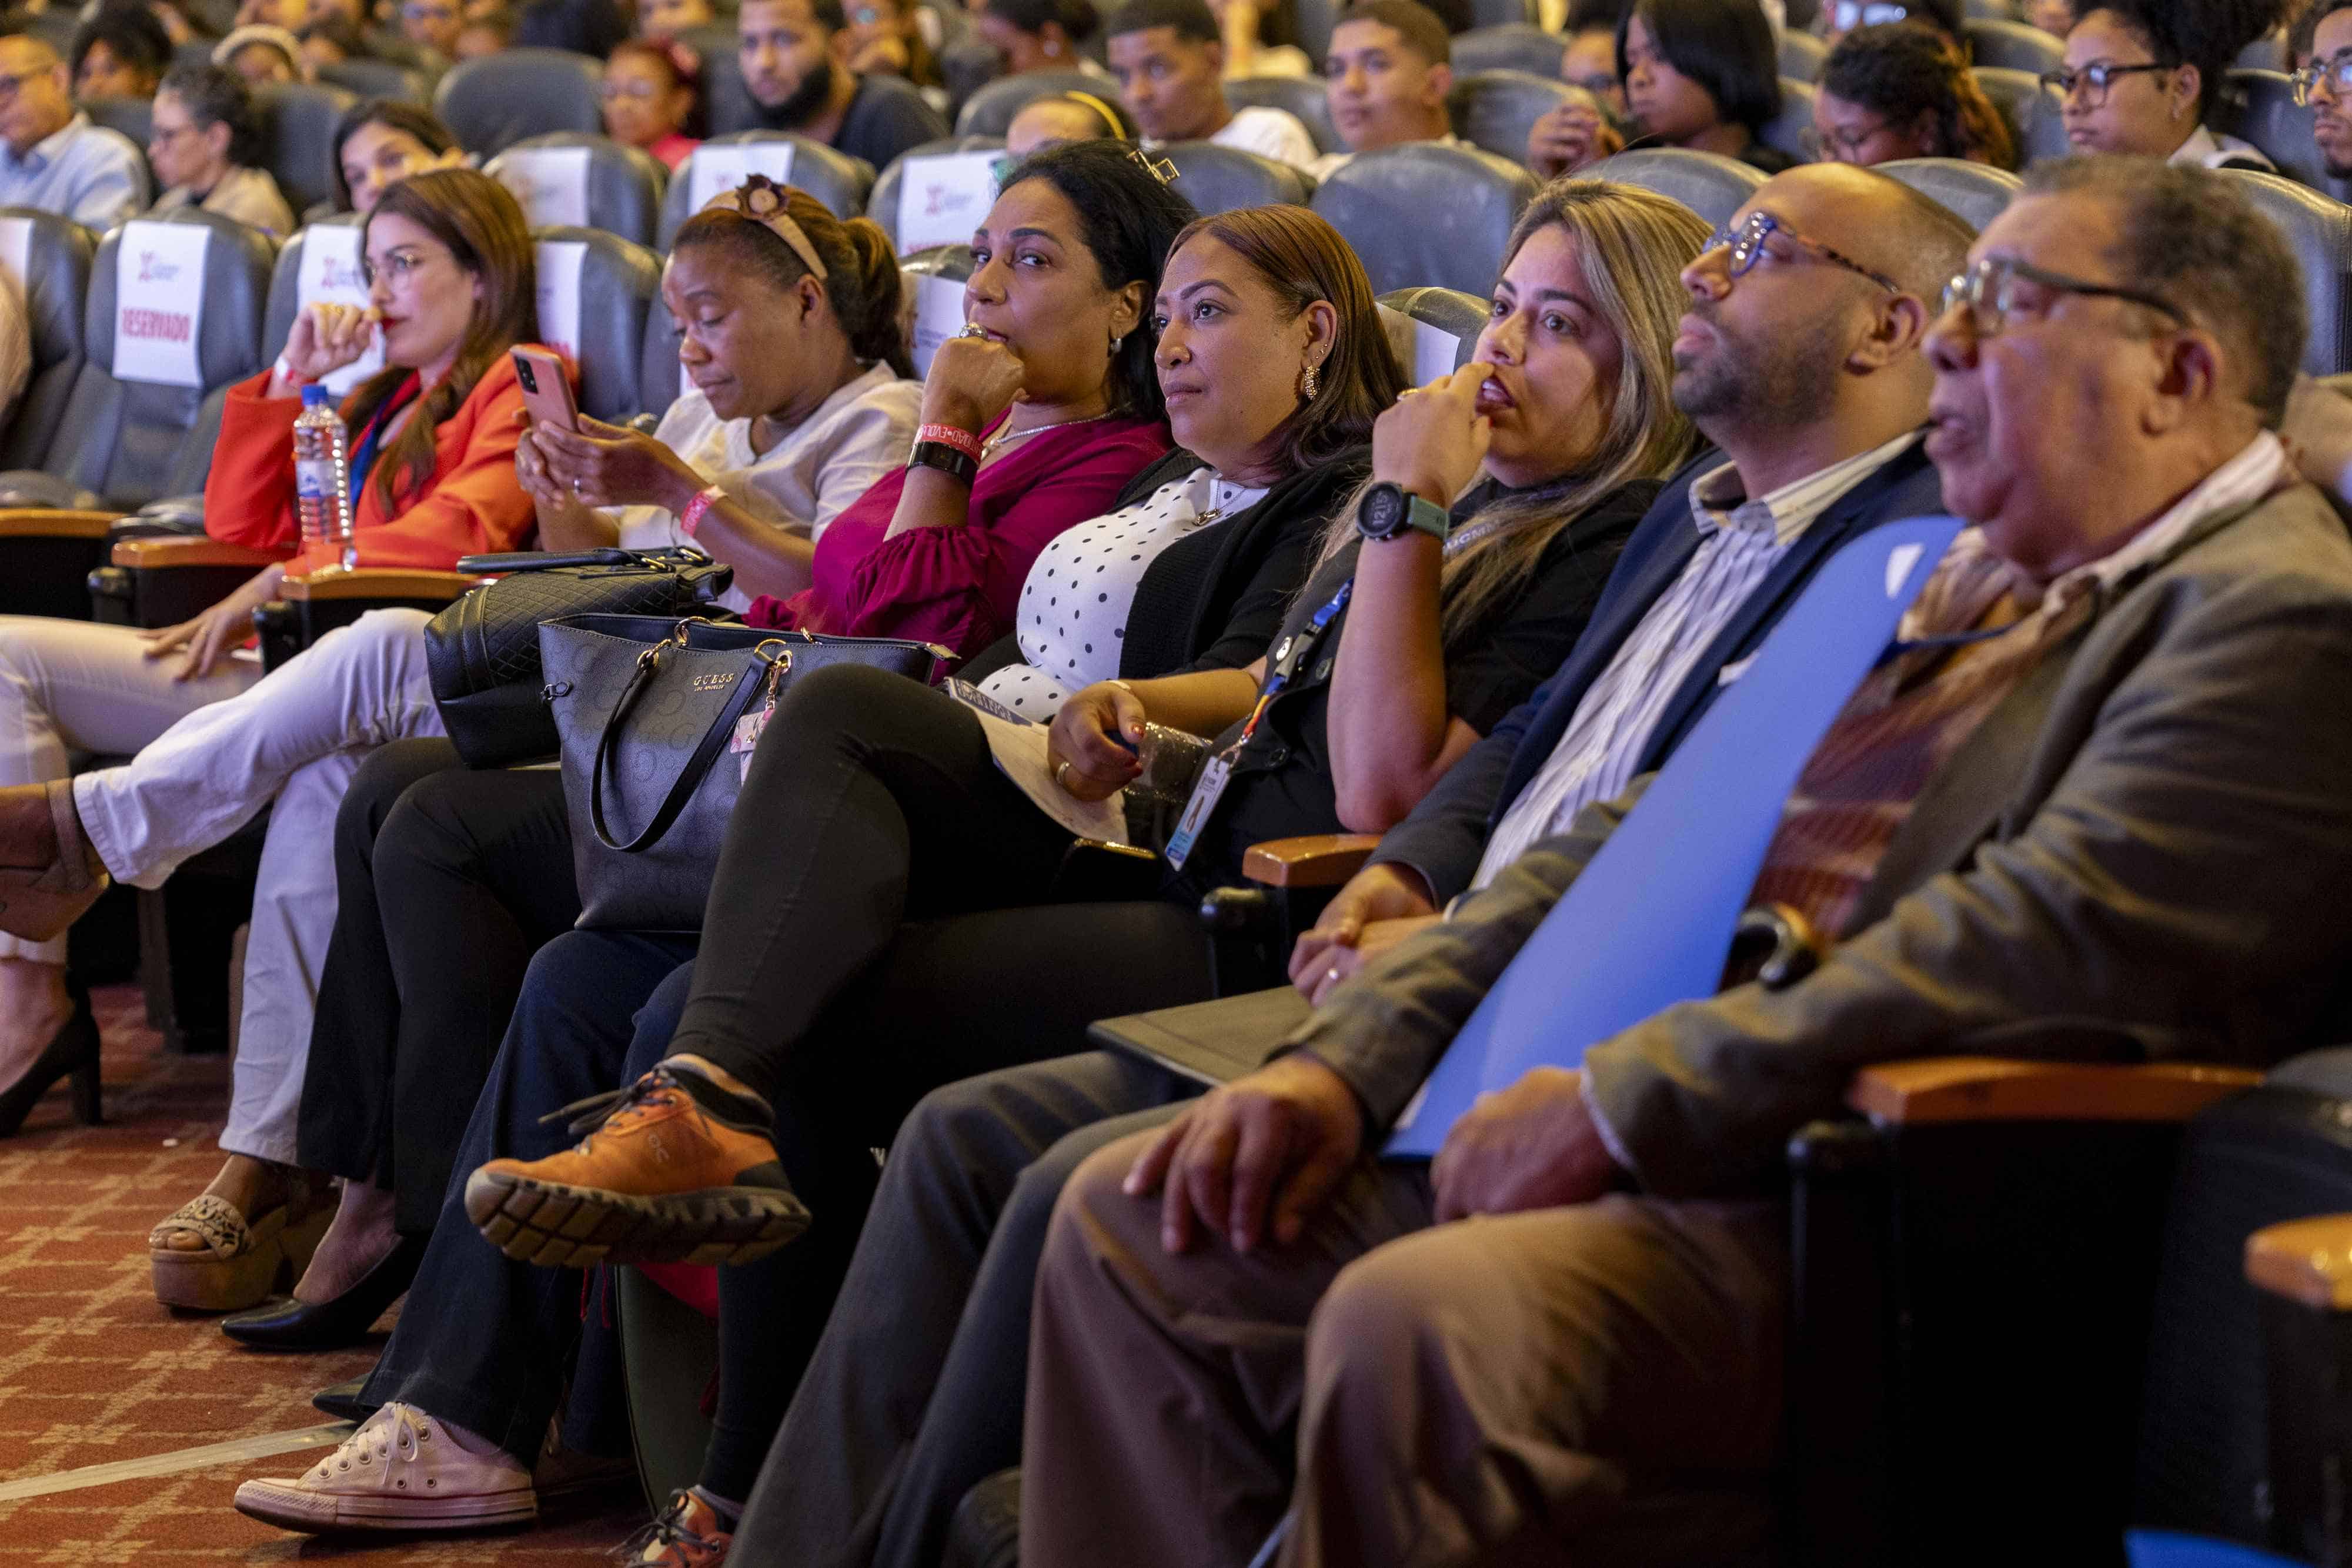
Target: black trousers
x: 449, y: 880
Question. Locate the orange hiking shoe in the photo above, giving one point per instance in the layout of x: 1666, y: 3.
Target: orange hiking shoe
x: 686, y: 1534
x: 673, y: 1169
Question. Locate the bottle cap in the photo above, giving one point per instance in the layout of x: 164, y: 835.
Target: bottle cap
x: 314, y: 395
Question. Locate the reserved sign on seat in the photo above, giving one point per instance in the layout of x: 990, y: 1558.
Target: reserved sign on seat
x: 159, y: 302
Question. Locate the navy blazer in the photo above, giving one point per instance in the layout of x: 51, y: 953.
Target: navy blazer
x: 1446, y: 834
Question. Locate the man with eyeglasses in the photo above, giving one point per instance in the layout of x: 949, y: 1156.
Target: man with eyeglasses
x: 2105, y: 779
x: 2140, y: 76
x: 2324, y: 86
x: 51, y: 157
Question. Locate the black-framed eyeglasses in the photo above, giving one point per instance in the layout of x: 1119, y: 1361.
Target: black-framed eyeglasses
x: 1757, y: 237
x: 2336, y: 71
x: 1988, y: 288
x: 2095, y: 79
x: 1842, y: 145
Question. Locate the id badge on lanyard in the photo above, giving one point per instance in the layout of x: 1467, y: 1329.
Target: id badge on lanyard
x: 1288, y: 655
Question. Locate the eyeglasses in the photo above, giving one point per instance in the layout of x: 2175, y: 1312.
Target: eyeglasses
x: 395, y: 268
x: 1840, y: 146
x: 1989, y: 289
x: 2336, y: 71
x: 1848, y: 15
x: 644, y: 91
x: 162, y: 136
x: 2093, y: 79
x: 1763, y: 234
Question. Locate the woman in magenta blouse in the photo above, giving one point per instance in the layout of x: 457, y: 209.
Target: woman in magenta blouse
x: 1031, y: 424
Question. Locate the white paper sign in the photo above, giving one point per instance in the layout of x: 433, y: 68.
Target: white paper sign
x: 939, y: 316
x: 550, y: 183
x: 1427, y: 352
x: 943, y: 197
x: 713, y: 169
x: 159, y: 302
x: 329, y: 273
x: 560, y: 261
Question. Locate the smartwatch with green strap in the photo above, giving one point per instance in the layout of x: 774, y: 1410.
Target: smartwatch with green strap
x: 1388, y: 510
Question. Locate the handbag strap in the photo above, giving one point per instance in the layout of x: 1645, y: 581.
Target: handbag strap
x: 705, y: 752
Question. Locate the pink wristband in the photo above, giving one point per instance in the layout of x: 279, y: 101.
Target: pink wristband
x: 954, y: 435
x: 691, y: 519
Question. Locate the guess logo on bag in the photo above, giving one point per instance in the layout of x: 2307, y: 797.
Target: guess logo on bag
x: 714, y: 681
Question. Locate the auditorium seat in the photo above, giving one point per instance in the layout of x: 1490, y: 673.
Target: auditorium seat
x: 2035, y: 112
x: 1311, y: 22
x: 1788, y: 130
x: 1457, y: 315
x: 989, y: 110
x: 1425, y: 213
x: 1512, y: 47
x: 1989, y: 11
x: 56, y: 253
x: 570, y: 177
x: 298, y: 139
x: 2012, y: 46
x: 366, y: 77
x: 1491, y: 14
x: 1708, y: 184
x: 932, y: 278
x: 495, y: 101
x: 2259, y: 106
x: 619, y: 282
x: 1305, y: 97
x: 130, y: 441
x: 2267, y: 53
x: 1977, y: 192
x: 1496, y: 110
x: 728, y: 105
x: 840, y: 182
x: 882, y: 206
x: 2319, y: 228
x: 134, y: 118
x: 1218, y: 179
x: 1801, y: 55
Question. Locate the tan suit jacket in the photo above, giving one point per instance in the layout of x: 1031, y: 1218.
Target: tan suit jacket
x: 2146, y: 849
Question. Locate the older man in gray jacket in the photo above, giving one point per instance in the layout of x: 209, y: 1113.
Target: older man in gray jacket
x: 2127, y: 800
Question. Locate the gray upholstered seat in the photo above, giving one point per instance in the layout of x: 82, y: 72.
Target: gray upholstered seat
x: 1512, y: 47
x: 623, y: 186
x: 842, y: 182
x: 1708, y: 184
x: 1311, y: 22
x: 366, y: 77
x: 989, y: 110
x: 134, y: 441
x: 882, y: 206
x: 951, y: 262
x: 2319, y: 228
x: 2012, y: 46
x: 1305, y: 97
x: 1501, y: 13
x: 494, y: 102
x: 2035, y: 112
x: 1801, y: 55
x: 2259, y: 106
x: 1427, y: 214
x: 2267, y: 53
x: 285, y: 296
x: 1977, y: 192
x: 298, y: 139
x: 1459, y: 315
x: 1496, y: 110
x: 618, y: 283
x: 132, y: 116
x: 57, y: 253
x: 1218, y: 179
x: 1787, y: 130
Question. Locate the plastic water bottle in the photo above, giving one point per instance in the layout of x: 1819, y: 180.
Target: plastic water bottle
x: 322, y: 475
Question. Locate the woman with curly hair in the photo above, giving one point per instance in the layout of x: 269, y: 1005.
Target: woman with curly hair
x: 1904, y: 90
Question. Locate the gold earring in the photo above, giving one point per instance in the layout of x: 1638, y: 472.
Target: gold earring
x: 1308, y: 385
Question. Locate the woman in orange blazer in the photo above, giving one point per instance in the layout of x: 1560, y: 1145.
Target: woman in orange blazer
x: 452, y: 291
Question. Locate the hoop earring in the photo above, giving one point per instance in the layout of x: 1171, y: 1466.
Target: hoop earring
x: 1307, y: 384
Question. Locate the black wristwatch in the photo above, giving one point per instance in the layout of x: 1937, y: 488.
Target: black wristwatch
x: 1388, y: 510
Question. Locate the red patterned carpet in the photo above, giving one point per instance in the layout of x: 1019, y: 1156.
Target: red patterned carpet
x: 92, y: 1371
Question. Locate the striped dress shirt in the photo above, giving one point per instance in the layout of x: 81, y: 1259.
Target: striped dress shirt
x: 1741, y: 541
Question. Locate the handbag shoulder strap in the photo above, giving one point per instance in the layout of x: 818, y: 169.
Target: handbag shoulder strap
x: 698, y: 765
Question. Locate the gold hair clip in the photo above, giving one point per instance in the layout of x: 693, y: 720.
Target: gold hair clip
x: 763, y: 201
x: 1160, y: 169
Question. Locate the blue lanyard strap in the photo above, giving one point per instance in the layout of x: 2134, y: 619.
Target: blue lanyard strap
x: 1288, y: 655
x: 363, y: 454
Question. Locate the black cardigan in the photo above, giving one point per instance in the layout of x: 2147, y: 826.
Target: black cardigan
x: 1214, y: 599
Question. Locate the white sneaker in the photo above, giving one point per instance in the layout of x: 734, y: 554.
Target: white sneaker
x: 402, y: 1469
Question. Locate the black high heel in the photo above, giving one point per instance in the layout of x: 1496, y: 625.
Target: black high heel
x: 72, y: 1052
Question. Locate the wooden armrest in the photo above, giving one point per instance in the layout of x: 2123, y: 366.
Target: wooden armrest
x: 1320, y: 859
x: 1995, y: 1089
x: 377, y: 583
x: 189, y: 550
x: 2306, y: 1261
x: 54, y: 523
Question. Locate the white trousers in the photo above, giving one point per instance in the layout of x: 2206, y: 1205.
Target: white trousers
x: 223, y: 750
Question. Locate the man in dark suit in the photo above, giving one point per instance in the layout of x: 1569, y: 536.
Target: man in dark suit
x: 2118, y: 793
x: 1805, y: 371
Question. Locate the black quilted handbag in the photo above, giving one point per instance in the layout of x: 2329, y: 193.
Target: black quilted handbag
x: 482, y: 652
x: 647, y: 707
